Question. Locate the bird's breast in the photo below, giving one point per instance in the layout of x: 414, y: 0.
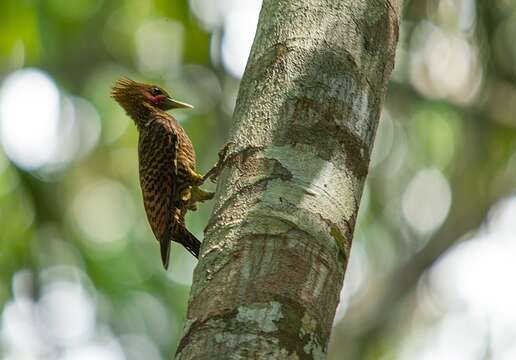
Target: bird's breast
x: 185, y: 151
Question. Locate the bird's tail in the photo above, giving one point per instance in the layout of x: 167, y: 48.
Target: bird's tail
x: 164, y: 245
x: 188, y: 240
x: 181, y: 235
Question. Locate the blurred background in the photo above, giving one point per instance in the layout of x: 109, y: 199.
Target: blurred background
x: 432, y: 268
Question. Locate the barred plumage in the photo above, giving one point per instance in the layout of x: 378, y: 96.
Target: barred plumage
x: 168, y: 178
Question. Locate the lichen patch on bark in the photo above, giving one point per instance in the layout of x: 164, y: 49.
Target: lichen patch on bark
x: 307, y: 332
x: 264, y: 315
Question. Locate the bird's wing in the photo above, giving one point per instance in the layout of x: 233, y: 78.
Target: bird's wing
x: 158, y: 179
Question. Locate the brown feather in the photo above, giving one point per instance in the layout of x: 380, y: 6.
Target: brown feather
x: 166, y: 164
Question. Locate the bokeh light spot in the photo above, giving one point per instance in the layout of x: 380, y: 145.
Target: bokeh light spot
x: 426, y: 201
x: 475, y: 277
x: 29, y: 117
x: 444, y: 65
x: 159, y: 46
x: 209, y: 12
x: 457, y: 337
x: 102, y: 349
x: 40, y: 129
x: 68, y: 312
x: 239, y: 29
x: 20, y: 334
x: 104, y: 212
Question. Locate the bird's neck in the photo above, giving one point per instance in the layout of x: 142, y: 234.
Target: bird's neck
x: 142, y: 114
x: 148, y: 113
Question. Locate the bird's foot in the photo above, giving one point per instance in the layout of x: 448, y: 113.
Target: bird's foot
x: 197, y: 179
x: 198, y: 195
x: 214, y: 172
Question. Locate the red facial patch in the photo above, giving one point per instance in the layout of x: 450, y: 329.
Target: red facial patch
x: 159, y: 99
x: 156, y: 100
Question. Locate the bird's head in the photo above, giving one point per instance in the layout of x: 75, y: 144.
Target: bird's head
x: 137, y: 98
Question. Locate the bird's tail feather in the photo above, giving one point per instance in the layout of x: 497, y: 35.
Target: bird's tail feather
x: 181, y: 235
x: 188, y: 240
x: 164, y: 245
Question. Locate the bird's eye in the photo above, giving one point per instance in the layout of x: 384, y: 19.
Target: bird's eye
x: 156, y: 91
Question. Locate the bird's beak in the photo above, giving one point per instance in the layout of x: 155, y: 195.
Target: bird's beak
x: 174, y: 104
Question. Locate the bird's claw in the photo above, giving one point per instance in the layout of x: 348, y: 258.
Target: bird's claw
x: 191, y: 207
x: 214, y: 172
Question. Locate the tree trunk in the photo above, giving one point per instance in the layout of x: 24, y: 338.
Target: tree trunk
x: 275, y: 252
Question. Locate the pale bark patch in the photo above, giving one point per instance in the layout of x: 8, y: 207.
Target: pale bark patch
x: 264, y: 315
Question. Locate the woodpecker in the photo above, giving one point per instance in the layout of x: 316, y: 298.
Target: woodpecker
x: 167, y: 164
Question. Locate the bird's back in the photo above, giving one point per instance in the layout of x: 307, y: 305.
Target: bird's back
x: 158, y: 176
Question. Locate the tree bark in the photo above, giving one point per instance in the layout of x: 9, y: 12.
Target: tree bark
x: 275, y: 252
